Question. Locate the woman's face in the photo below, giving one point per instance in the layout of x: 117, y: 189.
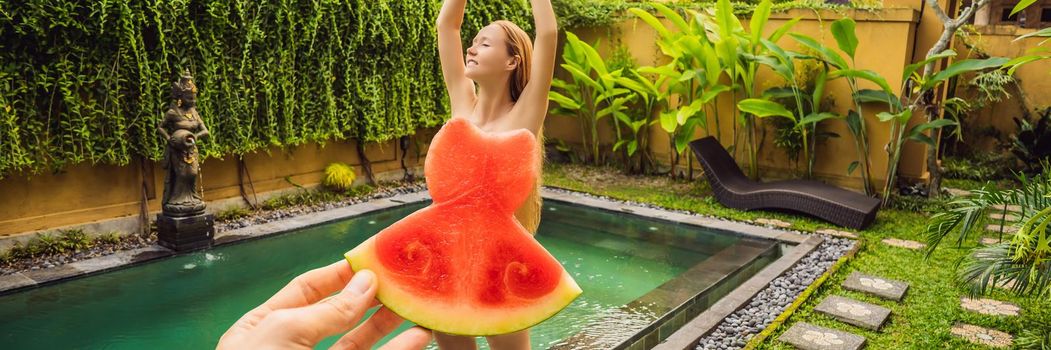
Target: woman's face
x: 487, y: 55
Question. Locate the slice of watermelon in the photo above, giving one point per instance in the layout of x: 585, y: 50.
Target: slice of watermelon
x: 464, y: 265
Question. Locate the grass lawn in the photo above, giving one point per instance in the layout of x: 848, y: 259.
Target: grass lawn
x: 921, y: 321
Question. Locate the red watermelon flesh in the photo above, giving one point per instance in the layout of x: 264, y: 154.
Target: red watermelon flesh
x: 464, y: 264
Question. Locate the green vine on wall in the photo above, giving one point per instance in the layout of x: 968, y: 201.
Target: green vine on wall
x: 87, y: 81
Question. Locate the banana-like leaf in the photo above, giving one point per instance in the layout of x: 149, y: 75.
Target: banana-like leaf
x: 843, y: 31
x: 912, y: 68
x: 764, y: 108
x: 652, y: 21
x: 964, y: 66
x: 815, y: 118
x: 758, y: 20
x: 862, y: 74
x: 563, y: 101
x: 827, y: 55
x: 668, y: 122
x: 672, y: 16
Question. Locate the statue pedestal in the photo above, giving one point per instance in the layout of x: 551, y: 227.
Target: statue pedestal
x: 186, y: 233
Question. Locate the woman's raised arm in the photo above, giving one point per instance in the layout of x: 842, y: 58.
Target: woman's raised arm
x: 450, y: 50
x: 532, y: 104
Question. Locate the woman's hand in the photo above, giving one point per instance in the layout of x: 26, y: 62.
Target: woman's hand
x: 299, y: 315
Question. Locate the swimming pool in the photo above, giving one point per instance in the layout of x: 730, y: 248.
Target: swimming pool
x: 627, y: 265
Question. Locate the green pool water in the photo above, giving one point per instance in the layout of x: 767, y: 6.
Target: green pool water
x: 188, y: 301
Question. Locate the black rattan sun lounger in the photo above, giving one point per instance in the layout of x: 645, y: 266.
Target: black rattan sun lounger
x: 733, y: 189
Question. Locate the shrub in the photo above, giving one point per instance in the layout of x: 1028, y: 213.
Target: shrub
x: 339, y: 177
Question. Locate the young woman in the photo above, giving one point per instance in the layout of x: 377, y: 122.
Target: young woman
x: 501, y: 84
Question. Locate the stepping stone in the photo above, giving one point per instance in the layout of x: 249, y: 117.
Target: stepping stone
x: 810, y: 337
x: 956, y: 192
x: 989, y: 307
x: 881, y: 287
x: 984, y: 336
x: 999, y: 215
x: 837, y: 233
x: 773, y: 222
x: 901, y: 243
x: 989, y: 241
x: 1007, y: 228
x: 1010, y: 208
x: 854, y: 312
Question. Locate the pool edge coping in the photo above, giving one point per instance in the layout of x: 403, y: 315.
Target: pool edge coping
x: 690, y: 334
x: 20, y: 281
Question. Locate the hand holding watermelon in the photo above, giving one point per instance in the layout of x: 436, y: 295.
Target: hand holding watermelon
x: 299, y: 315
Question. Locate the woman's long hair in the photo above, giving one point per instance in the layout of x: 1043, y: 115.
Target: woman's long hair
x: 519, y: 44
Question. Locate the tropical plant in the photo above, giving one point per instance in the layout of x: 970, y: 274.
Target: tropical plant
x: 692, y: 78
x: 806, y: 104
x: 1024, y: 259
x: 592, y: 94
x: 736, y: 50
x: 339, y: 176
x: 652, y: 99
x: 1032, y: 143
x: 74, y: 240
x: 918, y: 83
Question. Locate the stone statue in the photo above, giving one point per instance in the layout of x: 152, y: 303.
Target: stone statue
x: 181, y: 129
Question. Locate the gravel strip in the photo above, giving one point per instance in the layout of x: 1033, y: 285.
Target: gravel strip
x: 735, y: 330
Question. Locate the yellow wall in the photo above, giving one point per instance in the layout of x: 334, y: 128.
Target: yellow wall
x: 1034, y: 79
x: 85, y: 193
x: 886, y: 46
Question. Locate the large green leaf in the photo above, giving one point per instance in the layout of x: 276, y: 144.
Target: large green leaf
x: 843, y: 31
x: 758, y: 20
x: 667, y: 70
x: 683, y: 136
x: 780, y: 92
x: 686, y: 112
x: 783, y: 29
x: 672, y: 16
x: 668, y: 122
x: 594, y: 60
x: 764, y: 108
x: 862, y: 74
x: 903, y: 116
x: 854, y: 122
x: 1020, y: 61
x: 580, y: 76
x: 878, y: 96
x: 727, y: 20
x: 815, y: 118
x: 1021, y: 5
x: 827, y: 55
x: 819, y: 88
x: 916, y: 133
x: 1046, y: 32
x: 912, y: 68
x: 712, y: 93
x: 964, y: 66
x: 652, y: 21
x: 563, y: 101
